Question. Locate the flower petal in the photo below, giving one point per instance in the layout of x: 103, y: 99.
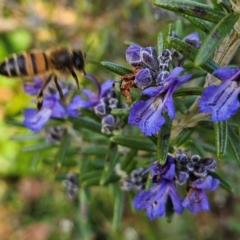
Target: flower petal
x: 149, y: 57
x: 143, y: 78
x: 225, y: 73
x: 133, y: 55
x: 147, y: 115
x: 106, y: 87
x: 221, y: 101
x: 33, y: 88
x: 36, y: 120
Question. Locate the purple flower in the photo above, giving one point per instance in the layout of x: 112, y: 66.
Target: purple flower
x: 193, y: 39
x: 196, y: 199
x: 52, y: 107
x: 154, y: 200
x: 33, y: 88
x: 92, y: 98
x: 222, y: 101
x: 147, y: 114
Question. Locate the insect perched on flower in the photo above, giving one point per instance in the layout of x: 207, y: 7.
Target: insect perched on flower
x: 58, y: 62
x: 128, y: 82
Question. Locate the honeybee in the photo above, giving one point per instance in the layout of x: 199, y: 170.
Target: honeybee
x: 58, y: 62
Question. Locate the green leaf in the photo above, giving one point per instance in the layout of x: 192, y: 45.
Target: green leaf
x: 215, y: 37
x: 188, y: 91
x: 222, y: 4
x: 221, y: 137
x: 169, y: 210
x: 96, y: 150
x: 183, y: 137
x: 164, y: 139
x: 26, y: 137
x: 118, y: 69
x: 111, y: 160
x: 64, y: 146
x: 167, y: 33
x: 235, y: 143
x: 190, y: 52
x: 82, y: 122
x: 128, y: 158
x: 205, y: 26
x: 118, y: 207
x: 179, y: 29
x: 38, y: 147
x: 180, y: 106
x: 139, y: 143
x: 121, y: 112
x: 90, y: 175
x: 238, y: 122
x: 223, y: 183
x: 191, y: 8
x: 91, y: 182
x: 160, y: 41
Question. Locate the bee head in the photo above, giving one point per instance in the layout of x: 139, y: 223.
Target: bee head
x: 79, y: 60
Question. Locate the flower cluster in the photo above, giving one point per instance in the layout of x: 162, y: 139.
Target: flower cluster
x: 72, y: 185
x: 135, y: 181
x: 222, y: 101
x: 154, y: 68
x: 192, y: 171
x: 158, y: 83
x: 103, y: 103
x: 54, y: 134
x: 52, y: 106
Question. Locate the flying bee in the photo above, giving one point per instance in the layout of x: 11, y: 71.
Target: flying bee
x: 57, y: 62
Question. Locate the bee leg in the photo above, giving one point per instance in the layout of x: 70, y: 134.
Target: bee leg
x: 59, y: 91
x: 40, y: 94
x: 75, y: 78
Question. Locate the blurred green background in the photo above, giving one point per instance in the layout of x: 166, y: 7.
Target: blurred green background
x: 33, y: 205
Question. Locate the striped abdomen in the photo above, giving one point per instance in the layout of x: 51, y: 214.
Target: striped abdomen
x: 25, y: 64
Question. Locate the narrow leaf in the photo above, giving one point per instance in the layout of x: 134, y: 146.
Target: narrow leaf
x: 91, y: 182
x: 90, y: 175
x: 96, y: 150
x: 183, y: 137
x: 139, y: 143
x: 221, y: 136
x: 223, y: 183
x: 110, y: 162
x: 128, y: 158
x: 121, y: 112
x: 118, y: 207
x: 179, y: 29
x: 216, y: 36
x: 163, y: 140
x: 169, y: 210
x: 238, y: 122
x: 64, y: 146
x: 160, y: 40
x: 38, y: 147
x: 25, y: 137
x: 120, y: 70
x: 191, y: 8
x: 235, y: 143
x: 188, y: 91
x: 199, y: 23
x: 167, y: 33
x: 190, y: 52
x: 180, y: 106
x: 81, y: 122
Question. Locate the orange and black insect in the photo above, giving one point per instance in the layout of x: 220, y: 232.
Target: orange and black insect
x: 57, y: 62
